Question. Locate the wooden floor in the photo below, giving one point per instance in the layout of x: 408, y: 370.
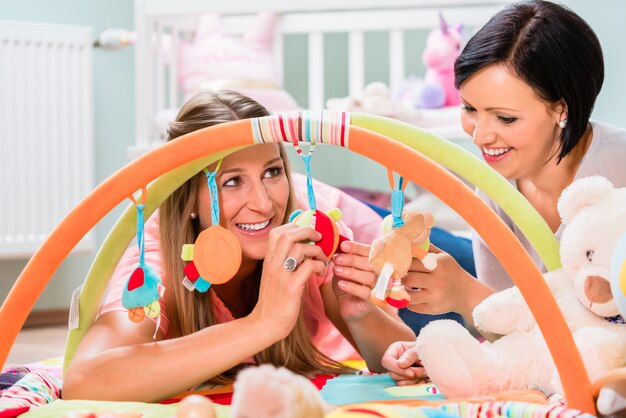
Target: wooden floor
x: 36, y: 344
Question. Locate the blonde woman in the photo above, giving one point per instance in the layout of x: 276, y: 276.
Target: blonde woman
x: 308, y: 319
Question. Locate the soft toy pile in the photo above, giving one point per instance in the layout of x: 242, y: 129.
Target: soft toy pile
x: 594, y: 215
x: 375, y: 99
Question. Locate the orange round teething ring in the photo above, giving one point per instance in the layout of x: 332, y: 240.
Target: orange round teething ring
x: 217, y: 254
x: 136, y: 315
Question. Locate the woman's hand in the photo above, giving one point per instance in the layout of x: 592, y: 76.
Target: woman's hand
x: 448, y: 288
x: 280, y: 293
x: 353, y: 280
x: 402, y: 362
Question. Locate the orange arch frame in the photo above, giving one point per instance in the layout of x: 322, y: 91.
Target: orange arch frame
x: 403, y: 159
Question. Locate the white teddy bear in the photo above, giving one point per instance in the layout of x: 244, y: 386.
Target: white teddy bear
x: 594, y: 214
x: 269, y: 392
x: 376, y: 99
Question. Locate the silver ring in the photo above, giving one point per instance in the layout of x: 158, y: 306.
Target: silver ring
x: 290, y: 264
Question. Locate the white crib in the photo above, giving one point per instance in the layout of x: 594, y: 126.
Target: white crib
x: 157, y: 88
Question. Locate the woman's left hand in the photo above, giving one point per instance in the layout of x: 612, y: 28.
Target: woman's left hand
x: 353, y: 280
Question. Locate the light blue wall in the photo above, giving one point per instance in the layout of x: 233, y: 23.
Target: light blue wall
x: 114, y: 93
x: 607, y: 18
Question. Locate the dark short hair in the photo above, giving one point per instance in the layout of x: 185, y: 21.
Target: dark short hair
x: 550, y: 48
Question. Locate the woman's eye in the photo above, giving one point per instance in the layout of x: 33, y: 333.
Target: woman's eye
x: 467, y: 108
x: 507, y: 120
x: 273, y: 172
x: 231, y: 182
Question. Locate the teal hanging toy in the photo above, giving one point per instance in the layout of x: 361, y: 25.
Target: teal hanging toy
x: 144, y: 286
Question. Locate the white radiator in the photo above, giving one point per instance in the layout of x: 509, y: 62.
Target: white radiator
x: 46, y: 131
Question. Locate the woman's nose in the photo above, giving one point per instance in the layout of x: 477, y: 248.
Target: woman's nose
x: 482, y: 133
x: 259, y: 198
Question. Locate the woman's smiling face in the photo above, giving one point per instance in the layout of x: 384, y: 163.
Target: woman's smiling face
x: 515, y: 130
x: 253, y: 196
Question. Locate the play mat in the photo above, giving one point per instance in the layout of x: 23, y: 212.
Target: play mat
x: 350, y: 393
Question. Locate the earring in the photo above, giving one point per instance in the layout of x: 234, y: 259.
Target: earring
x: 563, y: 123
x: 193, y: 215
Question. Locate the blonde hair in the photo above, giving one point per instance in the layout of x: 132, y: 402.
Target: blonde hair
x: 187, y: 311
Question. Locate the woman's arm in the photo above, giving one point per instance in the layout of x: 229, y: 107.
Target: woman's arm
x: 448, y: 288
x: 118, y: 360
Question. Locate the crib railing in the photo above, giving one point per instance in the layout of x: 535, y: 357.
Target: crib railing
x: 46, y: 131
x: 157, y: 21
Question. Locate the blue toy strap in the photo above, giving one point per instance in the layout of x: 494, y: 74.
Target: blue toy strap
x: 307, y: 166
x: 309, y: 181
x: 140, y: 222
x: 397, y: 200
x: 215, y: 205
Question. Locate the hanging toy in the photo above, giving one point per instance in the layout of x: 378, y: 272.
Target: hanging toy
x: 392, y: 253
x: 324, y: 223
x: 215, y: 257
x: 144, y: 287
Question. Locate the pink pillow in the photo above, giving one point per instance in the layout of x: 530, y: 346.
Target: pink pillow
x: 274, y: 100
x: 215, y: 54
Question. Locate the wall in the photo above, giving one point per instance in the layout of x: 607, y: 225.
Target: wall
x: 607, y: 21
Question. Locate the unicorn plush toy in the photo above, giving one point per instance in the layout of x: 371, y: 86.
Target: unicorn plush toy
x: 437, y: 89
x: 443, y: 45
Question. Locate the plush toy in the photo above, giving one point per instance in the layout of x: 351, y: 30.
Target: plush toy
x: 216, y: 54
x: 618, y: 275
x: 141, y: 293
x: 594, y: 215
x: 325, y: 224
x: 612, y: 399
x: 375, y: 99
x: 216, y: 59
x: 270, y: 392
x: 443, y: 46
x: 392, y: 253
x: 196, y: 406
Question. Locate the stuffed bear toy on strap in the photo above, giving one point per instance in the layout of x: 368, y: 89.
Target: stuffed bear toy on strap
x: 392, y: 253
